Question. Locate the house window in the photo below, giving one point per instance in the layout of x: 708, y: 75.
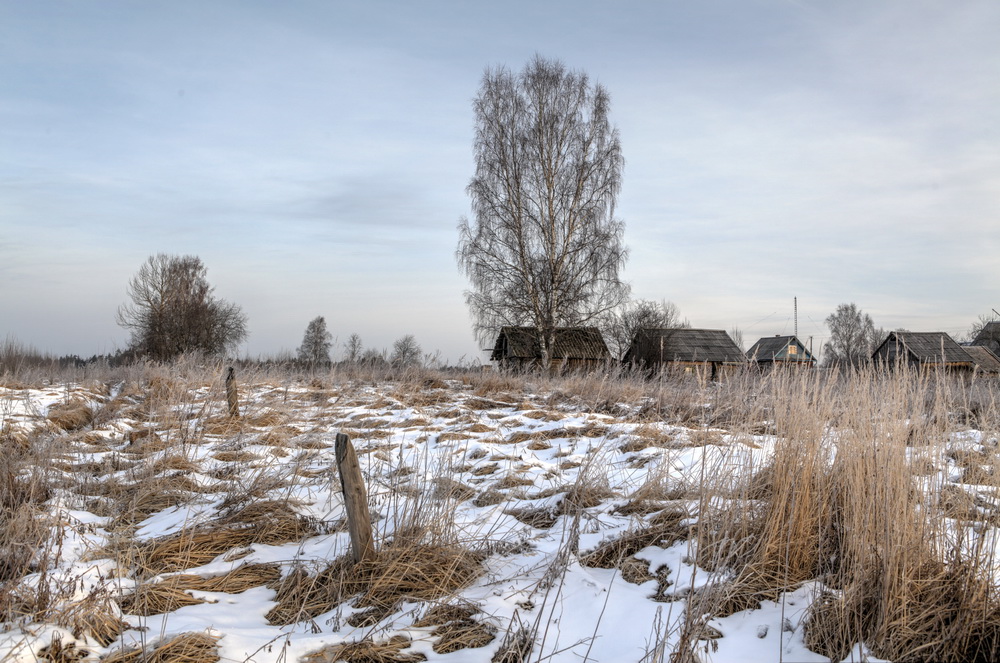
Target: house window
x: 793, y: 349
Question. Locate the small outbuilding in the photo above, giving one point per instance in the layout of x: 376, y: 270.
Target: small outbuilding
x: 986, y: 361
x: 923, y: 350
x: 772, y: 351
x: 989, y: 337
x: 575, y: 349
x: 708, y: 351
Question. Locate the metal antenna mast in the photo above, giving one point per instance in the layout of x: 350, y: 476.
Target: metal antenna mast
x: 796, y: 317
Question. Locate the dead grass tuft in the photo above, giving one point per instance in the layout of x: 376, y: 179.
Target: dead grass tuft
x: 71, y: 415
x: 416, y: 572
x: 235, y: 456
x: 462, y: 634
x: 516, y: 645
x: 268, y: 522
x: 446, y: 488
x: 367, y: 651
x: 157, y: 598
x: 94, y: 616
x: 184, y: 648
x: 663, y: 530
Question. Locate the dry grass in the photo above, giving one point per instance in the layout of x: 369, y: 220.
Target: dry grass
x: 71, y: 415
x: 173, y: 592
x: 184, y: 648
x: 853, y: 497
x: 663, y: 530
x: 266, y: 522
x: 366, y: 651
x: 414, y: 572
x: 843, y: 506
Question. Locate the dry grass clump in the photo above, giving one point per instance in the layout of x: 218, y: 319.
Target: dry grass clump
x: 446, y: 488
x: 840, y: 503
x: 456, y: 628
x: 71, y: 415
x: 59, y: 652
x: 24, y: 531
x: 184, y: 648
x: 513, y: 481
x: 173, y: 592
x: 367, y: 651
x: 136, y: 502
x: 494, y: 383
x: 516, y: 645
x: 268, y: 522
x: 477, y: 403
x: 156, y: 598
x: 537, y: 517
x: 582, y: 495
x: 174, y: 462
x: 489, y: 497
x: 462, y: 634
x: 12, y: 437
x: 650, y: 435
x: 240, y: 456
x: 663, y: 530
x: 454, y: 435
x: 279, y: 436
x: 225, y: 426
x: 93, y: 617
x: 416, y: 572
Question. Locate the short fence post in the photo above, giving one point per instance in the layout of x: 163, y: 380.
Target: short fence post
x: 355, y: 499
x: 231, y: 395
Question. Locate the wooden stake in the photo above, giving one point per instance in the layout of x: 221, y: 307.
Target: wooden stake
x: 231, y: 395
x: 359, y: 522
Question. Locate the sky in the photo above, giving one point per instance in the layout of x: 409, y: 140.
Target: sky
x: 315, y: 156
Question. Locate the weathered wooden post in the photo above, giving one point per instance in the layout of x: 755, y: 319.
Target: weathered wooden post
x: 359, y: 522
x: 231, y: 395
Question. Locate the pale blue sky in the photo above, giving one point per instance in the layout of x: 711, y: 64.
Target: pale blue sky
x: 315, y: 156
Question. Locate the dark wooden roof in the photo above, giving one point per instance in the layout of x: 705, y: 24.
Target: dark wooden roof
x: 571, y: 343
x: 928, y: 347
x: 650, y: 346
x: 989, y: 336
x: 775, y: 348
x: 986, y: 361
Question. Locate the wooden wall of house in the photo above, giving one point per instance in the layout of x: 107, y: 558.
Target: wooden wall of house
x: 890, y: 354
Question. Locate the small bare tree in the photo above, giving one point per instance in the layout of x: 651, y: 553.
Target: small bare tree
x: 737, y: 335
x: 316, y: 344
x: 353, y: 349
x: 625, y: 321
x: 172, y: 311
x: 406, y: 352
x: 544, y: 248
x: 978, y: 325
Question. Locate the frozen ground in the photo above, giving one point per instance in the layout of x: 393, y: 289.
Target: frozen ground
x: 531, y: 485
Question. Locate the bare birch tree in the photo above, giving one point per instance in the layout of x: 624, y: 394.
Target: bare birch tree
x: 544, y: 248
x: 316, y: 344
x: 353, y: 349
x: 853, y: 337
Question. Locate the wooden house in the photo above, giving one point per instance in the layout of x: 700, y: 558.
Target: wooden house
x: 989, y: 337
x: 923, y: 350
x: 575, y: 349
x: 986, y: 361
x: 710, y: 352
x: 772, y: 351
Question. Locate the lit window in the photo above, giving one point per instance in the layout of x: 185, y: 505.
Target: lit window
x: 793, y: 349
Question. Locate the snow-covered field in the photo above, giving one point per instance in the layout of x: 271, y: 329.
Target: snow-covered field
x: 512, y: 525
